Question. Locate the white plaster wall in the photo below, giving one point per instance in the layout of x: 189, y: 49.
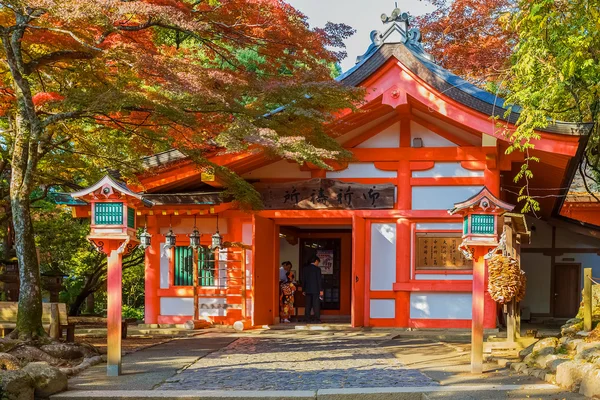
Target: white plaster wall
x: 433, y: 226
x: 474, y: 140
x: 177, y: 306
x: 430, y: 139
x: 361, y: 170
x: 212, y: 307
x: 440, y: 305
x: 164, y: 267
x: 566, y: 238
x: 441, y: 197
x: 382, y: 308
x: 360, y: 130
x: 447, y: 170
x: 185, y: 226
x: 537, y: 268
x: 287, y: 252
x: 443, y: 277
x: 389, y: 137
x: 542, y: 236
x: 278, y: 169
x: 383, y: 256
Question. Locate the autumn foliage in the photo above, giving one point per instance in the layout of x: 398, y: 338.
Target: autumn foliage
x: 89, y: 85
x: 471, y: 37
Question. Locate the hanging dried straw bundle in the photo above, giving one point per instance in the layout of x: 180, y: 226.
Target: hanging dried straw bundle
x: 506, y: 280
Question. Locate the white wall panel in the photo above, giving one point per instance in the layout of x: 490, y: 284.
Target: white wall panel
x: 447, y: 170
x: 383, y: 256
x: 361, y: 170
x: 429, y: 138
x: 177, y: 306
x: 382, y: 308
x: 440, y: 305
x: 164, y: 267
x: 441, y: 197
x: 389, y: 137
x: 537, y: 269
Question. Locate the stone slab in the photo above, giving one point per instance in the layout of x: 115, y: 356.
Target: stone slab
x: 183, y: 394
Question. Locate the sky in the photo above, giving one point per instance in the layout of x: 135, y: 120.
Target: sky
x: 362, y: 15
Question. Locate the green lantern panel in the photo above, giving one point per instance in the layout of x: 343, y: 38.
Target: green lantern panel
x: 482, y: 224
x: 108, y: 213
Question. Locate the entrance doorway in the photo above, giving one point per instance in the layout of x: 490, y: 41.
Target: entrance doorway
x: 329, y: 250
x: 333, y: 245
x: 567, y: 286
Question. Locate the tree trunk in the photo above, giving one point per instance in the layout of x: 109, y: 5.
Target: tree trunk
x: 29, y: 317
x: 90, y: 304
x: 75, y: 307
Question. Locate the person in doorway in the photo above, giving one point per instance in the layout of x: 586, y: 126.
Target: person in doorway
x: 312, y: 287
x: 286, y: 267
x: 286, y: 297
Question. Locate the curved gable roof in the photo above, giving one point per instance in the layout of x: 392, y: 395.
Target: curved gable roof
x: 448, y: 83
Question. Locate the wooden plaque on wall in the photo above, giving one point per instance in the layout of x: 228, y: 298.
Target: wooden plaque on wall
x: 324, y: 194
x: 440, y: 252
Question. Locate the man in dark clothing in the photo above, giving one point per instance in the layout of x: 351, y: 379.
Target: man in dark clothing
x: 312, y: 287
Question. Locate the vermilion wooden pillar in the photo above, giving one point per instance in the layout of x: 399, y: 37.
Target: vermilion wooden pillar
x: 152, y: 275
x: 478, y: 307
x: 114, y: 301
x: 115, y: 249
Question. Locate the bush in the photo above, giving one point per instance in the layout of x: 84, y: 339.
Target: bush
x: 130, y: 312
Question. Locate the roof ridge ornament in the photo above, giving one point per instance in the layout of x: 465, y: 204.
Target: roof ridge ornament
x: 398, y: 31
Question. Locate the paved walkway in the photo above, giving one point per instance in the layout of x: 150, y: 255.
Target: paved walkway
x: 305, y: 364
x: 297, y: 361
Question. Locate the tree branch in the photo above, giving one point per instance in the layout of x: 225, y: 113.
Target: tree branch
x: 56, y: 56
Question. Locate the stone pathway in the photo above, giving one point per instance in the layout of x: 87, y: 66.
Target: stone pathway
x: 298, y: 362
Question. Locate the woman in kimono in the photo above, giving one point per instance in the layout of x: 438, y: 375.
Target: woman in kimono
x: 286, y: 297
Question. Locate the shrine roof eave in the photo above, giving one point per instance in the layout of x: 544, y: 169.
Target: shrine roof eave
x: 110, y: 181
x: 450, y: 84
x: 474, y: 200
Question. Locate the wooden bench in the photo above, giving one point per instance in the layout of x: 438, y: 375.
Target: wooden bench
x: 54, y: 319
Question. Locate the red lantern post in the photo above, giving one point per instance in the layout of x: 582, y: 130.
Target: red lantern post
x: 480, y: 236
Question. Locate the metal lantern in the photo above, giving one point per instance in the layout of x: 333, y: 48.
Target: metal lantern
x: 194, y: 239
x: 171, y: 239
x: 145, y: 239
x: 217, y: 239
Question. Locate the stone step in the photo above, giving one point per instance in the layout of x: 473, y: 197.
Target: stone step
x: 402, y: 393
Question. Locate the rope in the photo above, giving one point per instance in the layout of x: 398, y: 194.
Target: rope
x: 593, y: 279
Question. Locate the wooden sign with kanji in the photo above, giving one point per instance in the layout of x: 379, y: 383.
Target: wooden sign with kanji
x: 320, y: 194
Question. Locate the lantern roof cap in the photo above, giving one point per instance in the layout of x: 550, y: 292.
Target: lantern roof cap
x: 485, y: 201
x: 519, y: 224
x: 107, y: 181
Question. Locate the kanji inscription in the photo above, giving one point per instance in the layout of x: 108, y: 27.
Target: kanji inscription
x: 318, y: 194
x: 435, y: 252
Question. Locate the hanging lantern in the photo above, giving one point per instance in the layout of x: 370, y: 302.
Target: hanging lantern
x: 145, y: 241
x: 217, y: 239
x: 171, y: 238
x: 194, y: 236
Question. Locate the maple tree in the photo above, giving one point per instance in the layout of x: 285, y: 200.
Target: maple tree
x: 89, y: 84
x: 470, y: 37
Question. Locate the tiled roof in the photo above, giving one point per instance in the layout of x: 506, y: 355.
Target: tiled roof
x: 448, y: 83
x: 160, y: 159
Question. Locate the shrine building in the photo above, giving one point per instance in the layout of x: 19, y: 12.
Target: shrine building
x: 424, y: 141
